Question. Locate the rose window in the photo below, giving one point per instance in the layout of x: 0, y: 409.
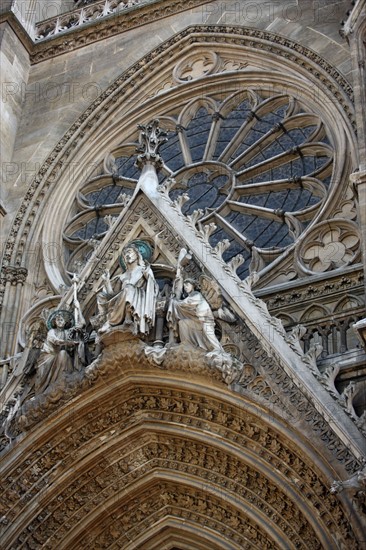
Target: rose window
x: 257, y: 167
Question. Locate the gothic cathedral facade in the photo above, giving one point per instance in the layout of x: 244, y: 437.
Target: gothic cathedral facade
x: 182, y: 293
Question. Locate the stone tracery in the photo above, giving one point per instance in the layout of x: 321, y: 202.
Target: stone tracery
x: 249, y: 38
x: 269, y: 386
x: 227, y: 145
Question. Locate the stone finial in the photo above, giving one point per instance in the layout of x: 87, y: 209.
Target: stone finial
x: 150, y: 140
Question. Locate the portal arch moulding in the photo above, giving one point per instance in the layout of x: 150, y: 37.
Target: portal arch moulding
x: 180, y: 450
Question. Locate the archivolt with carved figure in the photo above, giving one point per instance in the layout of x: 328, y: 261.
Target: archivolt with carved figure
x: 178, y: 405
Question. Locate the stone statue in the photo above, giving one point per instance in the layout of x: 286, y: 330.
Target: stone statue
x: 132, y: 303
x: 55, y: 358
x: 192, y: 318
x: 355, y: 486
x: 55, y: 347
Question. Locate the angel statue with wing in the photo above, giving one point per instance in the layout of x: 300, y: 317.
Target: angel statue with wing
x: 191, y: 317
x: 55, y: 359
x: 63, y: 349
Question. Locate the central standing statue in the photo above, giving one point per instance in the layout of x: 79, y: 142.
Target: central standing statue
x: 132, y: 302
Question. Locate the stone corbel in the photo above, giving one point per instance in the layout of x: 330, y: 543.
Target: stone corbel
x: 355, y: 486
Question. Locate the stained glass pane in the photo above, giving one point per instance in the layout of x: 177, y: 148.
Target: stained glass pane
x: 197, y: 134
x: 230, y: 125
x: 269, y: 152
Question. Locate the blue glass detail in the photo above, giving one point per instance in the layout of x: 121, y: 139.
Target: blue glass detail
x: 197, y: 134
x: 230, y: 126
x: 202, y: 194
x: 94, y: 227
x: 107, y: 195
x: 171, y: 152
x: 126, y: 167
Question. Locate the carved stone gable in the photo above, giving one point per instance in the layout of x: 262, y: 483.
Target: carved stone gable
x: 182, y: 271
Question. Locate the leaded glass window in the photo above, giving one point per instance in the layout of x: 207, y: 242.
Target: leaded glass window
x: 258, y: 167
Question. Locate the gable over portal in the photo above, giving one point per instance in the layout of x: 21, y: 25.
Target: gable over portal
x: 156, y: 434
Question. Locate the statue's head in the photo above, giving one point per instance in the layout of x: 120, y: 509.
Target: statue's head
x: 61, y: 318
x: 131, y: 254
x: 136, y: 251
x: 190, y: 285
x: 60, y: 321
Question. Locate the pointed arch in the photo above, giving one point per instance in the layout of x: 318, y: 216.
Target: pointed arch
x: 138, y: 447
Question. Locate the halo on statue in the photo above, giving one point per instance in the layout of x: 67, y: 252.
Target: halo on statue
x: 143, y: 247
x: 69, y: 318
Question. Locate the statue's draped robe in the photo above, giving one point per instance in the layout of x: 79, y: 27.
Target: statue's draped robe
x: 195, y: 322
x: 53, y: 360
x: 138, y: 293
